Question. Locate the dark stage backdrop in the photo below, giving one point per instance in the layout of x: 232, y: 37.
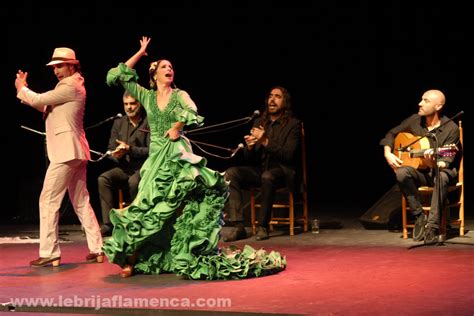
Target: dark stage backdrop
x: 354, y: 70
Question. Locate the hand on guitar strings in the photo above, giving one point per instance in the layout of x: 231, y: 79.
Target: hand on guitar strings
x: 393, y: 161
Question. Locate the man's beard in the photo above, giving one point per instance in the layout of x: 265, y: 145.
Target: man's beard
x: 273, y: 109
x: 132, y: 113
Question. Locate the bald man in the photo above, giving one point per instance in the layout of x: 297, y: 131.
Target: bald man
x: 426, y: 122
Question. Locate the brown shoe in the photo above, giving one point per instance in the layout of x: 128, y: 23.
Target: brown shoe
x: 41, y: 262
x: 127, y: 271
x: 95, y: 257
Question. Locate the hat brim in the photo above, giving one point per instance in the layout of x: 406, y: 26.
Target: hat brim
x: 56, y: 62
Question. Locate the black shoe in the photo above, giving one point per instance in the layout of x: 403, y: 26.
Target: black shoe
x: 236, y: 233
x: 431, y: 236
x: 419, y: 229
x: 262, y: 233
x: 106, y: 230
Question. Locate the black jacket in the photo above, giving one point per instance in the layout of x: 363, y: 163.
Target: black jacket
x: 283, y: 149
x: 138, y: 138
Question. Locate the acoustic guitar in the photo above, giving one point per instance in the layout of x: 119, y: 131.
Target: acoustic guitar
x: 414, y: 154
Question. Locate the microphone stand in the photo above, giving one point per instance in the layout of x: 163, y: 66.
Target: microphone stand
x: 233, y: 152
x: 33, y: 130
x: 102, y: 155
x: 211, y: 145
x: 244, y: 120
x: 103, y: 121
x: 64, y: 204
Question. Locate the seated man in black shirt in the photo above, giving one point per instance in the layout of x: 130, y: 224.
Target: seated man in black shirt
x: 409, y: 178
x: 128, y: 143
x: 271, y: 153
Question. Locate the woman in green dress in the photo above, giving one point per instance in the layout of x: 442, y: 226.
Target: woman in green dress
x: 174, y: 223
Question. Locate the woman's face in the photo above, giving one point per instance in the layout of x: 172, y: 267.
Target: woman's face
x: 164, y: 73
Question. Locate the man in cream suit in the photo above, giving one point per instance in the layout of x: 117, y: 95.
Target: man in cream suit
x: 68, y: 153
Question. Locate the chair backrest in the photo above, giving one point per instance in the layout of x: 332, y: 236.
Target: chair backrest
x: 303, y: 158
x: 459, y: 186
x: 302, y: 176
x: 292, y: 200
x: 301, y: 183
x: 461, y: 162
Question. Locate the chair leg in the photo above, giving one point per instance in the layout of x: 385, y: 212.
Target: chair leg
x: 305, y: 211
x: 252, y: 211
x: 290, y: 220
x: 120, y: 199
x: 292, y: 214
x: 404, y: 218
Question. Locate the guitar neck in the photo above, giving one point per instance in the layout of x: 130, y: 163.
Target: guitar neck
x: 442, y: 151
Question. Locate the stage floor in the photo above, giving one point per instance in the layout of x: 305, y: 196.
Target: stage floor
x: 343, y: 270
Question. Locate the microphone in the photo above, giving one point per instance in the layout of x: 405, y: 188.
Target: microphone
x: 110, y: 152
x: 255, y: 114
x: 102, y: 155
x: 118, y: 115
x: 107, y: 153
x: 234, y: 151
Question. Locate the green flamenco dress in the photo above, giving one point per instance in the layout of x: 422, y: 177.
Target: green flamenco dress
x: 174, y: 223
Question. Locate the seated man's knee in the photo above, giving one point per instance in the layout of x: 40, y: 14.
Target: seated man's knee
x: 402, y: 173
x: 103, y: 180
x: 133, y: 183
x: 267, y: 176
x: 231, y: 173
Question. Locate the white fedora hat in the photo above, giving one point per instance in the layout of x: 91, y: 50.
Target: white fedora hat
x: 63, y: 55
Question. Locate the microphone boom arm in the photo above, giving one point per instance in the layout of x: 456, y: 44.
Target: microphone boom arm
x: 244, y: 120
x: 118, y: 115
x: 33, y: 130
x: 404, y: 148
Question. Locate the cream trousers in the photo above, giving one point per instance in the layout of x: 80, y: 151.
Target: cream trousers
x: 70, y: 176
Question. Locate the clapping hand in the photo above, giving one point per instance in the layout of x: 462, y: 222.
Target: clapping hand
x: 20, y: 80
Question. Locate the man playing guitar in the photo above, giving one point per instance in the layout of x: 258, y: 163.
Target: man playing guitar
x: 442, y: 134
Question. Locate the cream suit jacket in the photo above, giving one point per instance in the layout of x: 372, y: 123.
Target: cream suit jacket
x: 65, y: 136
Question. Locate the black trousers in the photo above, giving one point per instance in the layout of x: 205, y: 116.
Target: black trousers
x: 409, y: 179
x: 110, y: 182
x: 244, y: 177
